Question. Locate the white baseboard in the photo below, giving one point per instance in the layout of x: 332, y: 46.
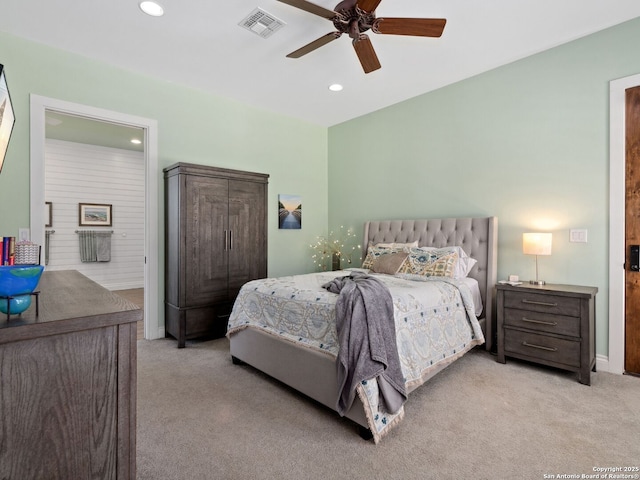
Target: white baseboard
x: 160, y: 333
x: 602, y: 363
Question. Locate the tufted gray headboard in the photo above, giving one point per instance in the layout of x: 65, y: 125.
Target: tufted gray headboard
x: 477, y: 236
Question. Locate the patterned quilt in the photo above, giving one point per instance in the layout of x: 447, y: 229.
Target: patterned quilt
x: 435, y: 324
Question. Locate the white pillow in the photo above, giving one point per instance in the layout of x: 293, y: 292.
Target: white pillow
x: 398, y: 245
x: 465, y: 263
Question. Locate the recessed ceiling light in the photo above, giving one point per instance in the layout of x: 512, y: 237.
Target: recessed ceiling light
x: 335, y: 87
x: 136, y: 141
x: 152, y: 8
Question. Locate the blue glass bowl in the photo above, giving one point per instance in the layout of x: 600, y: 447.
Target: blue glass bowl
x: 18, y: 282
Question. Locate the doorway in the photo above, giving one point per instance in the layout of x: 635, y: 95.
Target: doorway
x: 617, y: 251
x: 632, y: 231
x: 39, y: 107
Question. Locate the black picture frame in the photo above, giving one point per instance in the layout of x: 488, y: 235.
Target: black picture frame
x: 7, y: 116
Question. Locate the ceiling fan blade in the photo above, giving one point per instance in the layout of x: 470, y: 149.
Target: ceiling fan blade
x: 311, y: 8
x: 310, y: 47
x: 366, y: 54
x: 368, y: 5
x: 420, y: 27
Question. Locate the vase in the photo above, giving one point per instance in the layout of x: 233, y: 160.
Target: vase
x: 335, y: 262
x: 17, y: 283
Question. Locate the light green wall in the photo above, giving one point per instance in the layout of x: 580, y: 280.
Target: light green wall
x: 193, y: 127
x: 527, y: 142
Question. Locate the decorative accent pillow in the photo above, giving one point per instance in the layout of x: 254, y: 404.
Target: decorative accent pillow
x: 465, y: 262
x: 374, y: 252
x: 389, y: 263
x: 430, y: 263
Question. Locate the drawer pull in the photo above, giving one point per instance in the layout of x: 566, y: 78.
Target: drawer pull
x: 541, y: 322
x: 541, y: 347
x: 545, y: 304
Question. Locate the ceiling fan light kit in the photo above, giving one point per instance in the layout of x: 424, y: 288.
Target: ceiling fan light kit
x: 355, y: 17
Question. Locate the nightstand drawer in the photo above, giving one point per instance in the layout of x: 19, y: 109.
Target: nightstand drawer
x: 551, y: 349
x: 538, y: 302
x: 542, y: 322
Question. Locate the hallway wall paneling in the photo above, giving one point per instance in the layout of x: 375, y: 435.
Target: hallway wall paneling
x: 80, y: 173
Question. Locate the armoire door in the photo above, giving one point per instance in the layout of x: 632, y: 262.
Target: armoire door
x: 247, y: 225
x: 206, y: 242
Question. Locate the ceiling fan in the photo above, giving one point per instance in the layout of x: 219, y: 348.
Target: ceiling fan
x: 354, y: 17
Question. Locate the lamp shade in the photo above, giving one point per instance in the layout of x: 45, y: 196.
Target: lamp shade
x: 536, y: 243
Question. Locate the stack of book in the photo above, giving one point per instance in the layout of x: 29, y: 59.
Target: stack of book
x: 7, y: 250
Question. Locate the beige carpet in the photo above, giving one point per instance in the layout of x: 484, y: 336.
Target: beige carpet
x: 201, y: 417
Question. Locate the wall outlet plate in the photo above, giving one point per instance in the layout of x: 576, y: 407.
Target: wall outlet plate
x: 24, y: 235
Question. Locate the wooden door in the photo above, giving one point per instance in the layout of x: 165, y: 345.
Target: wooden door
x: 632, y: 231
x: 247, y: 223
x: 206, y: 224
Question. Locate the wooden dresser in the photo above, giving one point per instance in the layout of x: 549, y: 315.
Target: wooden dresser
x: 548, y: 324
x: 68, y: 378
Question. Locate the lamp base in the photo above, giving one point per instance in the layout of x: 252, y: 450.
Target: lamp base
x: 537, y: 282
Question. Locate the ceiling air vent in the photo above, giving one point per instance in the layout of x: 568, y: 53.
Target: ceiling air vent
x: 261, y: 23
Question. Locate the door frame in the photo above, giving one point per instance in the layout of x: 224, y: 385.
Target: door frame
x: 617, y: 154
x: 38, y: 106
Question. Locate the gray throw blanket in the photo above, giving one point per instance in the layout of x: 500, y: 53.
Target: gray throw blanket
x: 367, y: 341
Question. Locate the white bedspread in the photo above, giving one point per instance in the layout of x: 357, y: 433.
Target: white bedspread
x: 435, y: 323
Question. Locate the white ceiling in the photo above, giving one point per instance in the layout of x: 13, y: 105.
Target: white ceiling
x: 198, y: 43
x: 72, y: 128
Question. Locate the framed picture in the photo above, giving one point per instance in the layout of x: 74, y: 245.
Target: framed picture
x: 94, y: 215
x: 48, y: 214
x: 289, y: 212
x: 7, y: 118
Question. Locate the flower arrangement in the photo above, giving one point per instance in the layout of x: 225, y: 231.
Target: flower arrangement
x: 336, y: 249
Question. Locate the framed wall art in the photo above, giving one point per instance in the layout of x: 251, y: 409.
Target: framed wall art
x: 94, y: 215
x: 7, y: 118
x: 289, y: 211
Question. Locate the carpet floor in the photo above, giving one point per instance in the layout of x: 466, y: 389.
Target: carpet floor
x: 201, y: 417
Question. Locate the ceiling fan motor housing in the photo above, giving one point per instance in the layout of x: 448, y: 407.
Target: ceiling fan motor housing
x: 347, y: 20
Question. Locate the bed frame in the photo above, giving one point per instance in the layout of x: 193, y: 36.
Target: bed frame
x: 314, y: 373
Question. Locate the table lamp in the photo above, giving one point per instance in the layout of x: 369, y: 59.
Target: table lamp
x: 536, y: 244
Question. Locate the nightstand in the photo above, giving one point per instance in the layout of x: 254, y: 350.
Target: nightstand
x: 548, y: 324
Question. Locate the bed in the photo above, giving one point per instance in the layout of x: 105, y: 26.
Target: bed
x: 301, y: 353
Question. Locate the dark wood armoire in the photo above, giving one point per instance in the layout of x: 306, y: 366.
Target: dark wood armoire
x: 215, y: 242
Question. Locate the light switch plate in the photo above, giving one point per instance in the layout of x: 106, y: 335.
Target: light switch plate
x: 578, y: 235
